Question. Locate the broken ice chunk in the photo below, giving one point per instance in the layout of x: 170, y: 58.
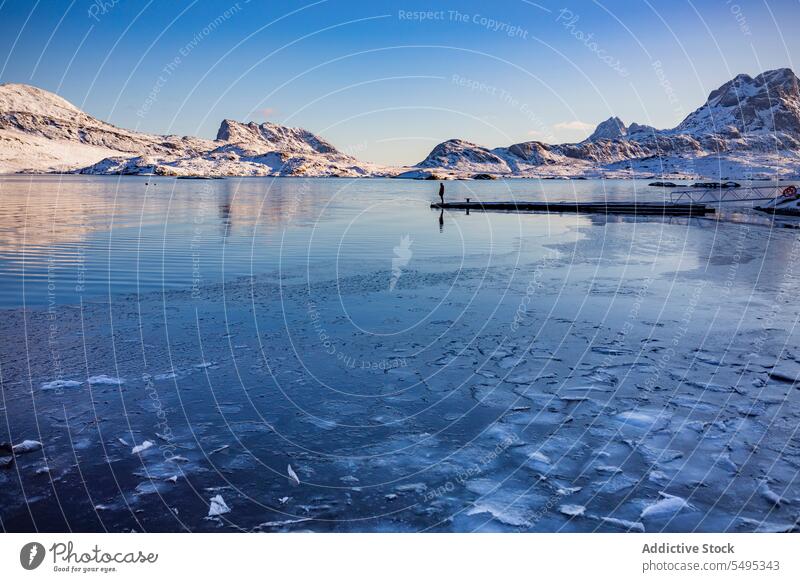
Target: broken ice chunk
x: 414, y: 487
x: 540, y: 457
x: 281, y: 523
x: 616, y: 483
x: 624, y: 523
x: 787, y: 372
x: 218, y: 506
x: 769, y: 494
x: 165, y: 376
x: 502, y: 512
x: 292, y: 475
x: 638, y: 421
x: 572, y: 510
x: 106, y: 380
x: 668, y: 506
x: 142, y: 447
x: 657, y: 476
x: 26, y: 446
x: 59, y: 384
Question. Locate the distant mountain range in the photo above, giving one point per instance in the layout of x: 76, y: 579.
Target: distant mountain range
x: 41, y: 132
x: 747, y: 127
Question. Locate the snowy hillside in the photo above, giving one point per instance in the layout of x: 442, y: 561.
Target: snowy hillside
x: 41, y: 132
x: 747, y: 127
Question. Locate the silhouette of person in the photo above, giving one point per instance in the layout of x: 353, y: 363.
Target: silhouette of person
x: 441, y: 220
x: 441, y: 191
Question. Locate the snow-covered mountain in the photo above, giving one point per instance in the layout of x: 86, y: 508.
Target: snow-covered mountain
x: 749, y: 126
x: 41, y: 132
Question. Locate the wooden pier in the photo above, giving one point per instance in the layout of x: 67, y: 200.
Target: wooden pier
x: 636, y: 208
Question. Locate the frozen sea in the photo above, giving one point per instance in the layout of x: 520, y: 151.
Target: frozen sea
x: 333, y: 355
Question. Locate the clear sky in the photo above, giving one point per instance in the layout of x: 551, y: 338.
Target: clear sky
x: 388, y: 80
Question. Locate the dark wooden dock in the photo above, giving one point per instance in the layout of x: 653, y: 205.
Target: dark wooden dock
x: 637, y: 208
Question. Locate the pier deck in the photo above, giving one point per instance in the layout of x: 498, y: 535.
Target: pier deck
x: 639, y: 208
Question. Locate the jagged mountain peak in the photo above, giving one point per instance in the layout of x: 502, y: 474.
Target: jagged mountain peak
x: 272, y: 136
x: 611, y: 128
x: 767, y: 103
x: 778, y: 84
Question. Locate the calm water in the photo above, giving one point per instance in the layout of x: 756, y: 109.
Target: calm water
x: 183, y: 340
x: 67, y: 239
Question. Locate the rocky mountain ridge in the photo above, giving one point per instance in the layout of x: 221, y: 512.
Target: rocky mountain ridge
x: 748, y: 127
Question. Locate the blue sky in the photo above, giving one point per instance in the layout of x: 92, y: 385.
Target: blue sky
x: 388, y: 80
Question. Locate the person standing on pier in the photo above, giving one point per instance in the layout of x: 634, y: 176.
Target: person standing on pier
x: 441, y: 191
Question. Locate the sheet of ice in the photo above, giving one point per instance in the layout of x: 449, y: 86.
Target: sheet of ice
x: 400, y: 449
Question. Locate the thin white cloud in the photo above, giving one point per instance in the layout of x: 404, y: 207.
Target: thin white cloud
x: 573, y: 125
x: 539, y: 134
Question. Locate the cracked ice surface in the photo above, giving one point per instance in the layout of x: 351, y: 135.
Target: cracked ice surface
x: 613, y: 376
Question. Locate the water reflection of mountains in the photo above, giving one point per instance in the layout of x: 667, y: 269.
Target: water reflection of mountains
x: 65, y: 210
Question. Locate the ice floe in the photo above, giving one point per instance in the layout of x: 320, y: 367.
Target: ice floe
x: 500, y: 511
x: 572, y: 510
x: 292, y: 475
x: 59, y: 384
x: 769, y: 494
x: 270, y: 525
x: 102, y: 379
x: 624, y: 524
x: 217, y: 506
x: 26, y: 446
x: 142, y: 447
x: 667, y: 506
